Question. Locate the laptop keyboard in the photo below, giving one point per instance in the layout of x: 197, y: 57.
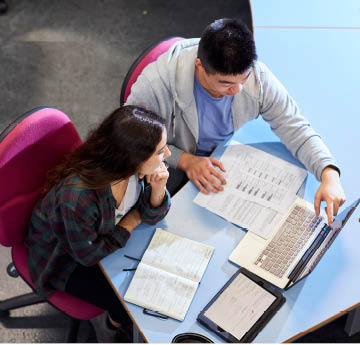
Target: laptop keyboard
x: 281, y: 252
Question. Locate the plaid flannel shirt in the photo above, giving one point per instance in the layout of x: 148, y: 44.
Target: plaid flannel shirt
x: 74, y: 226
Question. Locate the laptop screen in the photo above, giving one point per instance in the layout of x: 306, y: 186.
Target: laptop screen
x: 341, y: 219
x: 339, y: 222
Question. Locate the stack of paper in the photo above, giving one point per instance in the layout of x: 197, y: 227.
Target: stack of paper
x: 259, y: 191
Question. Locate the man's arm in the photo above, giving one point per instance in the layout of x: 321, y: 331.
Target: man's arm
x: 281, y: 111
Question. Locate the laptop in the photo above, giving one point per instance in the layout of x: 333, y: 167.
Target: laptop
x: 296, y: 246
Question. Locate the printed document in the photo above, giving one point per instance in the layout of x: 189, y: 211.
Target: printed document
x: 169, y: 273
x: 260, y: 189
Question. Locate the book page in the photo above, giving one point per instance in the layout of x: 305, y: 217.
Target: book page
x: 161, y: 291
x: 260, y: 189
x: 239, y: 306
x: 178, y: 255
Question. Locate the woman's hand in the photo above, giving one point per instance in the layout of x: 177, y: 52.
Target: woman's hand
x: 158, y: 185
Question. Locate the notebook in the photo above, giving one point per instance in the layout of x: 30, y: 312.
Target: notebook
x: 295, y: 247
x: 169, y: 274
x: 241, y: 308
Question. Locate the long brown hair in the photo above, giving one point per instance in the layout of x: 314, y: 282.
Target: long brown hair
x: 113, y: 151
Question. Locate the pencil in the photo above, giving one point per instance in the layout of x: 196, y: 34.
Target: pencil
x: 131, y: 257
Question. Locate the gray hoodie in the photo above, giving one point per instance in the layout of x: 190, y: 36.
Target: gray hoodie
x: 166, y: 88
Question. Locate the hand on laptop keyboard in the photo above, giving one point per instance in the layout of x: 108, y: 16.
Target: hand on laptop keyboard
x: 331, y: 192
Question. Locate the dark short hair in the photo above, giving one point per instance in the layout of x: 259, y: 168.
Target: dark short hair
x: 114, y: 150
x: 227, y: 47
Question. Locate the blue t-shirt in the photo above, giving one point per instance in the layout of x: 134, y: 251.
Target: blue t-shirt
x: 215, y: 119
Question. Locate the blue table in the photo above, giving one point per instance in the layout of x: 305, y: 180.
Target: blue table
x: 326, y: 293
x: 320, y: 70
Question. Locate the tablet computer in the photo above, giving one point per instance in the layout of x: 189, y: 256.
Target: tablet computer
x: 241, y: 308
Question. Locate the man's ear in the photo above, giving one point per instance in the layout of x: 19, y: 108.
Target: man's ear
x: 198, y: 64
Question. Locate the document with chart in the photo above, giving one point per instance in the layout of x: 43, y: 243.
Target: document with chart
x: 169, y: 274
x: 259, y: 191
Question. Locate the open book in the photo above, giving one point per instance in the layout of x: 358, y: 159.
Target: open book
x: 169, y: 273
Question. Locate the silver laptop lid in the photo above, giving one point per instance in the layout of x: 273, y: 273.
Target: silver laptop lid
x: 308, y: 262
x: 341, y: 219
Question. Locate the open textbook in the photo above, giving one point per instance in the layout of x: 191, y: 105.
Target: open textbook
x: 169, y: 273
x: 259, y: 191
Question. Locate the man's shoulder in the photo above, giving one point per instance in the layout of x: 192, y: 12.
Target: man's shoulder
x: 180, y: 47
x: 180, y: 53
x: 168, y: 77
x: 259, y: 69
x: 253, y: 85
x: 184, y: 45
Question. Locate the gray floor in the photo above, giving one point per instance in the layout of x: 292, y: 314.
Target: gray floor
x: 73, y: 55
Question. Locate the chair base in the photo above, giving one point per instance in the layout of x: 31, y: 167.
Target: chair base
x: 19, y: 302
x: 74, y: 325
x: 31, y: 299
x: 12, y: 271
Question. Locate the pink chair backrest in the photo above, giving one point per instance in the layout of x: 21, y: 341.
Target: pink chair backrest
x: 148, y: 57
x: 27, y: 152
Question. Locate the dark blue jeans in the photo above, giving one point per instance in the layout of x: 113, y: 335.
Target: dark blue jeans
x: 91, y: 285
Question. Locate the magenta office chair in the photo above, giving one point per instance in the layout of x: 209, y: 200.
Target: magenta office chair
x: 147, y: 56
x: 29, y: 147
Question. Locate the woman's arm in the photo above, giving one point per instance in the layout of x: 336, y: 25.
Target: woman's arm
x: 88, y: 232
x: 131, y: 220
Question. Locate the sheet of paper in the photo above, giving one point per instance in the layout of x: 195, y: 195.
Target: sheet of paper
x: 260, y: 189
x: 239, y: 306
x: 178, y: 255
x: 248, y: 214
x: 161, y: 291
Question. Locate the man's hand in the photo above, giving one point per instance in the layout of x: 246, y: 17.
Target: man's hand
x: 201, y: 171
x: 331, y: 191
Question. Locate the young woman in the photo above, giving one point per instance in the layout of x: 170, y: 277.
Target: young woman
x: 92, y: 201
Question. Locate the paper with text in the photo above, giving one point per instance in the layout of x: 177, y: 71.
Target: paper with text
x: 260, y: 189
x: 178, y: 255
x: 161, y: 291
x: 169, y: 273
x: 239, y: 306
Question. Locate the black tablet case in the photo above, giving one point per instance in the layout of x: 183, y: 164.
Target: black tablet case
x: 259, y: 324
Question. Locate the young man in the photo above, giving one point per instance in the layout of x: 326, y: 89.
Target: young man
x: 206, y: 89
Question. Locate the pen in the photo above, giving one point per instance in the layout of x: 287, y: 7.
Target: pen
x: 129, y: 269
x: 155, y: 314
x: 131, y: 257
